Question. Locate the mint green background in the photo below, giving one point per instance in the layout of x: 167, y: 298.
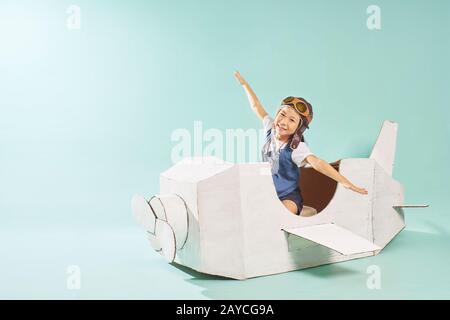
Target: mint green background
x: 86, y: 118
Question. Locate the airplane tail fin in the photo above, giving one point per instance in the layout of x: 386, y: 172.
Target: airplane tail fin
x: 384, y: 149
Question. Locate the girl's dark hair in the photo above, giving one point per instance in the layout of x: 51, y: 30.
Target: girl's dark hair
x: 302, y: 139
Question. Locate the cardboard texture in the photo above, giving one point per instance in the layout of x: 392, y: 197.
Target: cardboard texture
x: 335, y: 238
x: 226, y: 219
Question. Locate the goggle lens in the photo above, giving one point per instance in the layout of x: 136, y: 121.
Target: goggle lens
x: 300, y: 106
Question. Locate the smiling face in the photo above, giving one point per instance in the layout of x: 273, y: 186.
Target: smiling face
x: 286, y: 122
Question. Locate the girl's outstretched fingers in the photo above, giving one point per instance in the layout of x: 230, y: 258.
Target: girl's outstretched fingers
x: 352, y: 187
x: 359, y: 190
x: 239, y: 78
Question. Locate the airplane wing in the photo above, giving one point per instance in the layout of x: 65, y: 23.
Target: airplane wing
x: 334, y: 237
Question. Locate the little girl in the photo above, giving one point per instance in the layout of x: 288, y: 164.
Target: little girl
x: 286, y: 150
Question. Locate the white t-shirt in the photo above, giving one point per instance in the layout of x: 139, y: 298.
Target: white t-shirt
x: 299, y: 154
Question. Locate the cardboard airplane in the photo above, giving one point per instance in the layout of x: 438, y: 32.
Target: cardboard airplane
x: 225, y: 219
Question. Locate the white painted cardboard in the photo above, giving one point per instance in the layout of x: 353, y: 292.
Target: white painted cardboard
x: 383, y: 151
x: 335, y: 238
x: 166, y: 238
x: 143, y: 213
x: 175, y: 213
x: 235, y: 222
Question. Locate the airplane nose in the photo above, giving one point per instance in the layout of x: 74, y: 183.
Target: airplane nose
x: 165, y: 219
x: 172, y: 209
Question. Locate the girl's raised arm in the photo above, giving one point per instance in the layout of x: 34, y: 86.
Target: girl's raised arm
x: 252, y: 98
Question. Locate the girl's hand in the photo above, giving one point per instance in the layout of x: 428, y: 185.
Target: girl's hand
x: 239, y: 78
x: 352, y: 187
x: 253, y: 100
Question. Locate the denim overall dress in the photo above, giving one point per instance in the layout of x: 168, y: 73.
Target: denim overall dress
x: 285, y: 172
